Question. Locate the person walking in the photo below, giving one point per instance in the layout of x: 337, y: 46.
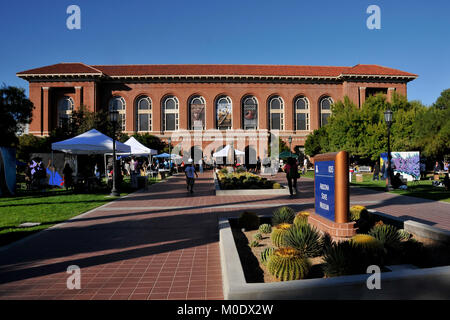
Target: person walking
x: 67, y: 172
x: 376, y: 172
x: 291, y: 169
x: 190, y: 176
x: 305, y: 165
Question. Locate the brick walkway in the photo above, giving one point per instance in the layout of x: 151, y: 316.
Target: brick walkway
x: 159, y: 244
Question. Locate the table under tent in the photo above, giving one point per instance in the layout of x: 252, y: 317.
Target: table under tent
x: 228, y: 152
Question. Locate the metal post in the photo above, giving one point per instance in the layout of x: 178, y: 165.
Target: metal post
x: 114, y: 191
x: 389, y: 168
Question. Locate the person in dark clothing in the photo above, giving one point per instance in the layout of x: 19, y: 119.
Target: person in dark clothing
x: 397, y: 181
x: 68, y: 180
x: 291, y: 169
x: 376, y: 171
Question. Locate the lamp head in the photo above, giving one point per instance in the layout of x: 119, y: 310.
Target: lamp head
x: 388, y: 116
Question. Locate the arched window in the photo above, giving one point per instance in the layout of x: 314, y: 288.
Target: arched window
x: 223, y: 113
x: 65, y: 108
x: 249, y: 113
x: 118, y: 104
x: 276, y: 113
x: 144, y: 114
x: 170, y: 113
x: 197, y: 113
x: 325, y: 110
x: 301, y: 113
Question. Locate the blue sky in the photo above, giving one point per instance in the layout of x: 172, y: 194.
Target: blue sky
x: 414, y: 35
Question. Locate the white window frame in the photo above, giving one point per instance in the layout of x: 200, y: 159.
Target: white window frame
x: 202, y: 101
x: 280, y: 111
x: 170, y: 111
x: 140, y: 111
x: 67, y: 112
x: 325, y: 111
x: 302, y: 111
x: 257, y: 112
x: 228, y: 101
x: 122, y: 111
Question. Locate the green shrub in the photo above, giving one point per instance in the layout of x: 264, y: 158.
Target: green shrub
x: 240, y: 170
x: 305, y: 239
x: 283, y: 215
x: 249, y: 220
x: 265, y: 255
x: 301, y: 218
x: 412, y: 252
x: 224, y: 170
x: 265, y: 228
x: 276, y: 185
x: 286, y: 264
x: 387, y: 235
x: 404, y: 235
x: 257, y: 236
x: 278, y: 233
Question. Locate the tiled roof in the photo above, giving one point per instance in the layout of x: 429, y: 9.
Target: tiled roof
x: 213, y: 70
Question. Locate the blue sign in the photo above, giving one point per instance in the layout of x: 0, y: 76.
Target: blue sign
x: 324, y: 188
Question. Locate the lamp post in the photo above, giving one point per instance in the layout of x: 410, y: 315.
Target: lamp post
x: 113, y: 115
x: 170, y: 154
x: 388, y: 119
x: 290, y: 145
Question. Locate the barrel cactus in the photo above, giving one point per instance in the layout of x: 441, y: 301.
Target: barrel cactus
x: 265, y: 255
x: 276, y: 185
x: 257, y: 236
x: 287, y: 264
x: 278, y: 234
x: 265, y: 228
x: 367, y: 242
x: 249, y: 220
x: 301, y: 218
x: 355, y: 212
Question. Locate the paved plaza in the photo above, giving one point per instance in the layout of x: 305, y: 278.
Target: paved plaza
x: 161, y: 243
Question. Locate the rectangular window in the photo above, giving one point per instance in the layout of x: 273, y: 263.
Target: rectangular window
x: 143, y: 122
x: 324, y: 119
x: 275, y: 121
x: 301, y: 121
x: 170, y: 121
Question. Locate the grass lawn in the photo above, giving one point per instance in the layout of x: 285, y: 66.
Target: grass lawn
x: 48, y: 208
x: 420, y: 189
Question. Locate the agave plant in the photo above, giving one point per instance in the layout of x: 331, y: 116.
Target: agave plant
x: 287, y: 264
x: 305, y: 239
x: 257, y: 236
x: 265, y: 255
x: 343, y: 258
x: 283, y: 215
x: 387, y: 235
x: 265, y: 228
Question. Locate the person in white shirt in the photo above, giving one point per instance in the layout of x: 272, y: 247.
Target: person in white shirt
x: 305, y: 165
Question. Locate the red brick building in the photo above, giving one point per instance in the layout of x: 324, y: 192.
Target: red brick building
x: 182, y: 100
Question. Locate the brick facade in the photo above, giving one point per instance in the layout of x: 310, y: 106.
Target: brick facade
x: 94, y: 86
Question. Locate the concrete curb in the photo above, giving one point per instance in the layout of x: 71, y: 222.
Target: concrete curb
x: 431, y: 283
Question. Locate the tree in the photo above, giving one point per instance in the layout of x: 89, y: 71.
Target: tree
x: 443, y: 102
x: 15, y: 111
x: 316, y: 142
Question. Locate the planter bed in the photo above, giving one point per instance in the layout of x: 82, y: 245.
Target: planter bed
x: 244, y: 277
x: 245, y: 192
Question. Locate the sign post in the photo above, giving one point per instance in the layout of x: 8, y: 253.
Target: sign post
x: 331, y: 176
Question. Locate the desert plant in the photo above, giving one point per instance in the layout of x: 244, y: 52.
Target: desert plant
x: 327, y: 241
x: 278, y: 233
x: 366, y: 242
x: 301, y: 218
x: 249, y: 220
x: 343, y: 258
x: 257, y: 236
x: 404, y: 235
x: 287, y: 264
x: 305, y: 239
x: 387, y: 235
x: 265, y: 228
x: 265, y: 255
x: 254, y: 243
x: 283, y: 215
x: 355, y: 212
x: 276, y: 185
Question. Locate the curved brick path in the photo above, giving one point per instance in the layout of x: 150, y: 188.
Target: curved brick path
x: 158, y: 244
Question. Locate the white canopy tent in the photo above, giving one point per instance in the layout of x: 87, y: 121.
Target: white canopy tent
x: 138, y: 149
x: 90, y: 142
x: 225, y: 152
